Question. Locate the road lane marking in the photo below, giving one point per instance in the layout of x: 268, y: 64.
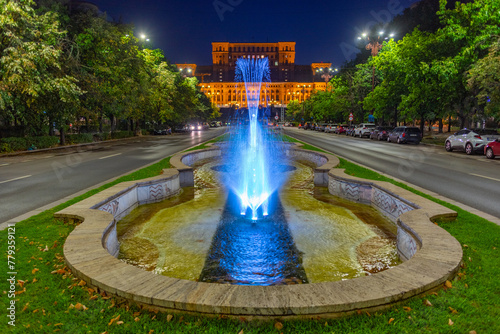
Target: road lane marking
x: 486, y: 177
x: 110, y: 156
x: 15, y: 179
x: 4, y: 165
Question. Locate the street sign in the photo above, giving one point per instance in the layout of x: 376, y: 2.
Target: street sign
x: 351, y: 117
x: 276, y: 117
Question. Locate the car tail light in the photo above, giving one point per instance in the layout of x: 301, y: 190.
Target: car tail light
x: 478, y: 137
x: 404, y: 134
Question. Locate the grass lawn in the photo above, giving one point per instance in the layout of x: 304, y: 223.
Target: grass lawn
x: 49, y: 299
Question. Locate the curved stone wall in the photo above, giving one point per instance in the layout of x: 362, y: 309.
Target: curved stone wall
x: 433, y: 255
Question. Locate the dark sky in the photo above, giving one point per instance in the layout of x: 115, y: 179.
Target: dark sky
x: 324, y: 30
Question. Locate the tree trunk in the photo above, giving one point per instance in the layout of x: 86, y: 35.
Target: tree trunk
x: 422, y: 125
x: 100, y: 124
x: 138, y: 131
x: 113, y: 123
x: 62, y: 137
x: 449, y: 123
x: 51, y: 128
x: 440, y: 125
x: 395, y: 117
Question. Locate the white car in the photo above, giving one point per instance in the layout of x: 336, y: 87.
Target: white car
x: 330, y: 128
x: 364, y: 130
x: 470, y: 140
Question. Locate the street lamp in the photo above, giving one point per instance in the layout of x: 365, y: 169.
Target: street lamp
x: 374, y: 45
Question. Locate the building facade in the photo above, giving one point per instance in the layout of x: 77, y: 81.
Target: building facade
x: 288, y: 81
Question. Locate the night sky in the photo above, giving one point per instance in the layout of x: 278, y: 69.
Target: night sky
x: 324, y: 30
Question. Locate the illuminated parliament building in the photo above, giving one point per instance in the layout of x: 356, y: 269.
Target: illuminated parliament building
x: 288, y: 81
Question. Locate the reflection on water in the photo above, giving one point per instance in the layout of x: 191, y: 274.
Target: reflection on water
x: 174, y: 236
x: 338, y: 239
x: 313, y: 233
x: 250, y: 252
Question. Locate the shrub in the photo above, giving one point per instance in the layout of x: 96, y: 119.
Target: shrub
x: 121, y: 134
x: 42, y: 142
x: 12, y: 144
x: 79, y: 138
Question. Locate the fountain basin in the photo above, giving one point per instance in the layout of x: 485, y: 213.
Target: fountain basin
x: 432, y: 255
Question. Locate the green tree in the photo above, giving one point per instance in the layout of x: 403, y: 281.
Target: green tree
x: 30, y: 67
x: 484, y: 77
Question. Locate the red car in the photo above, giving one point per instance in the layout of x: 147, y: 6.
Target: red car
x: 341, y: 129
x: 491, y: 149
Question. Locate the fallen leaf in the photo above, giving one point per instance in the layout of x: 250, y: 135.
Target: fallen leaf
x: 151, y: 331
x: 427, y: 302
x: 25, y: 307
x: 448, y: 284
x: 472, y: 332
x: 450, y: 322
x: 406, y: 308
x: 113, y: 320
x: 391, y: 320
x: 136, y: 314
x: 453, y: 310
x: 119, y: 322
x: 82, y: 283
x: 241, y: 332
x: 20, y: 283
x: 34, y: 280
x: 434, y: 293
x: 466, y: 245
x: 59, y: 324
x: 278, y: 325
x: 35, y: 311
x: 169, y: 317
x: 136, y: 319
x: 46, y: 249
x: 35, y: 270
x: 326, y: 324
x: 94, y: 297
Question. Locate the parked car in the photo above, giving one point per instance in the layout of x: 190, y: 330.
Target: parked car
x: 341, y: 128
x: 349, y: 131
x: 381, y: 132
x: 329, y: 128
x: 470, y: 140
x: 320, y: 127
x: 363, y: 130
x: 405, y: 134
x: 182, y: 128
x: 492, y: 149
x: 163, y: 131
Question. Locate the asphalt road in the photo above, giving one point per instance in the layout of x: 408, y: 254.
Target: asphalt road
x: 31, y: 181
x: 471, y: 180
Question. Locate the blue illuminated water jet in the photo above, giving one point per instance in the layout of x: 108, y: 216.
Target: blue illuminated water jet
x: 253, y: 148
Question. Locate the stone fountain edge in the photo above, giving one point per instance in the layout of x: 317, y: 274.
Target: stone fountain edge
x: 431, y: 254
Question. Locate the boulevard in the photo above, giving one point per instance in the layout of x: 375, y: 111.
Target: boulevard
x: 28, y: 182
x: 471, y: 180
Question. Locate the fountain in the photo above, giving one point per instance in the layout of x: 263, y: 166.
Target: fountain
x: 253, y: 235
x: 249, y: 152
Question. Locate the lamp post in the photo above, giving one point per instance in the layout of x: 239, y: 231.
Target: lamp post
x: 144, y: 39
x: 374, y: 45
